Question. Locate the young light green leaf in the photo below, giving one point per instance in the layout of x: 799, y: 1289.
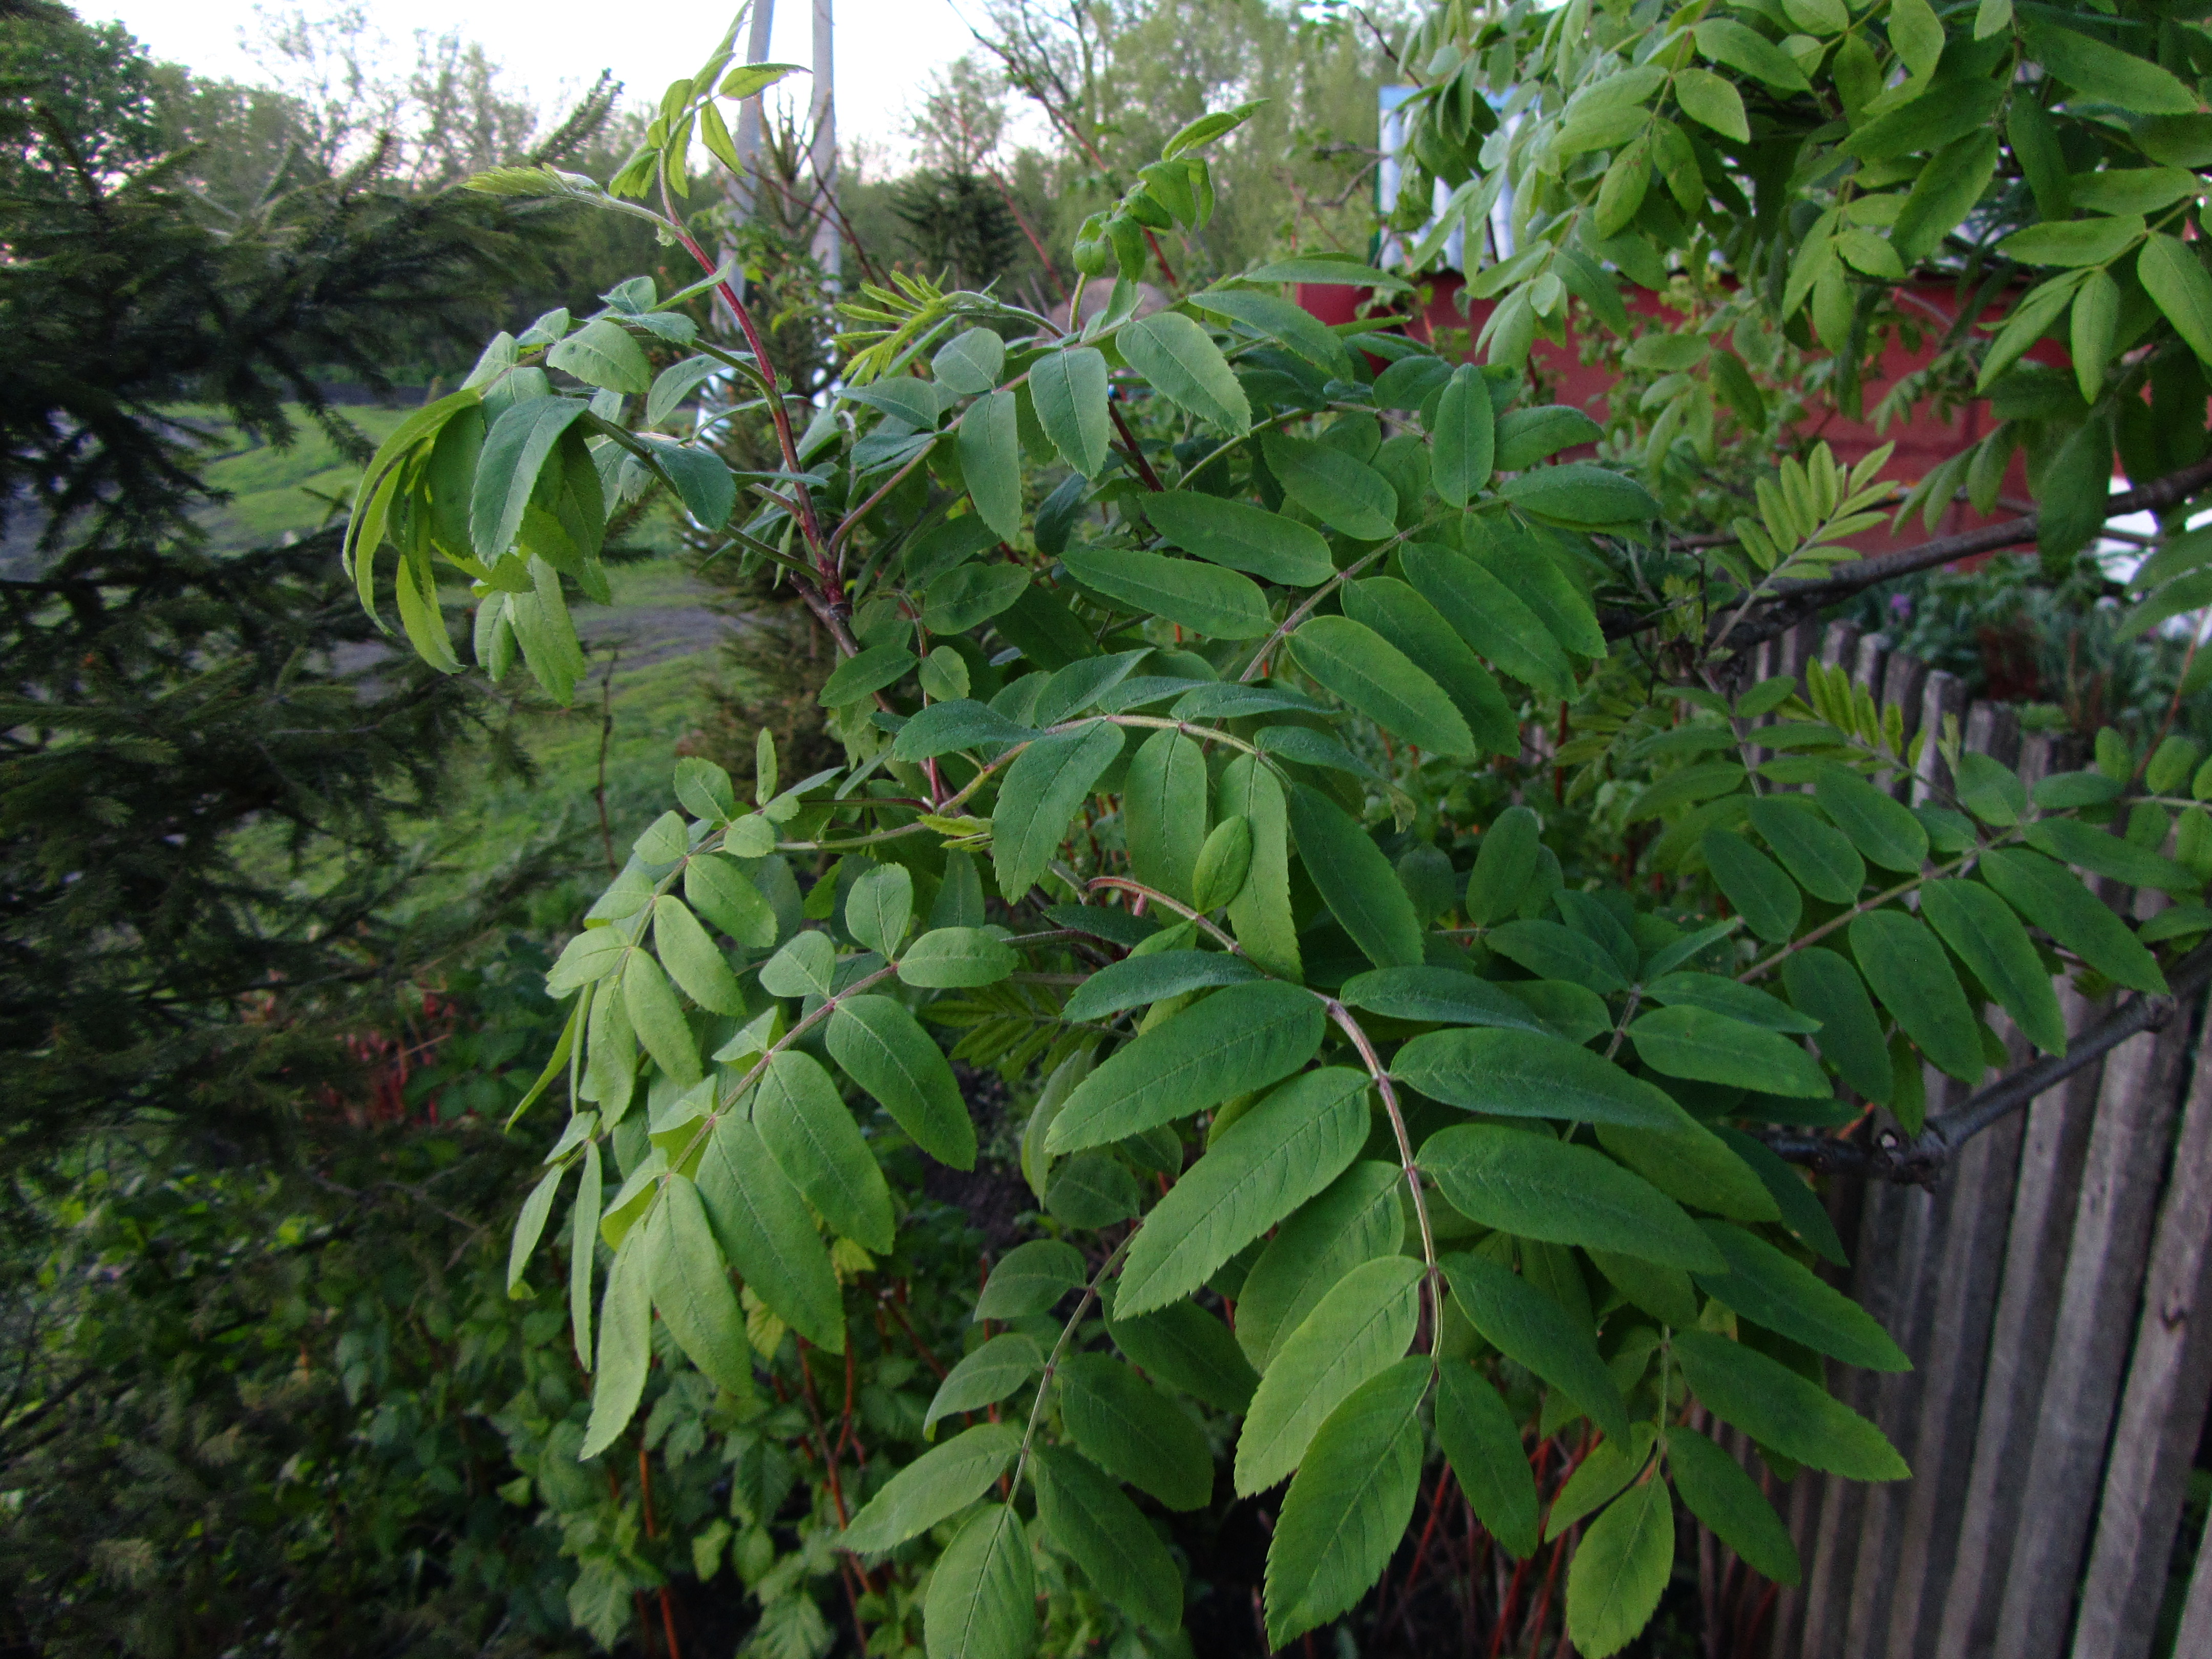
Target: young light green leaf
x: 1621, y: 1568
x: 657, y: 1019
x: 1769, y: 1289
x: 1346, y: 1510
x: 1359, y: 1329
x: 947, y: 958
x: 1267, y: 1163
x: 887, y: 1053
x: 969, y: 363
x: 941, y: 1482
x: 1069, y: 387
x: 1778, y: 1407
x: 1536, y: 1188
x: 1357, y: 664
x: 1360, y: 1217
x: 814, y: 1141
x: 1181, y: 360
x: 991, y: 462
x: 1084, y: 1515
x: 520, y: 441
x: 530, y: 1227
x: 1342, y: 491
x: 625, y: 1351
x: 1133, y: 1431
x: 691, y: 1289
x: 1238, y: 1039
x: 1217, y: 875
x: 761, y: 1222
x: 1219, y: 603
x: 1720, y: 1491
x: 1531, y: 1329
x: 807, y: 966
x: 879, y: 907
x: 986, y: 1377
x: 1527, y: 1074
x: 602, y: 353
x: 1356, y: 881
x: 583, y: 1253
x: 1243, y: 537
x: 1260, y: 915
x: 691, y: 958
x: 1043, y: 790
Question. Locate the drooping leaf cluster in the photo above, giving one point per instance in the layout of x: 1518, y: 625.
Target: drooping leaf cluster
x: 1470, y: 1151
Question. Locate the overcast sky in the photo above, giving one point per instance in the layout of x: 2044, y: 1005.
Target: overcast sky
x: 885, y: 48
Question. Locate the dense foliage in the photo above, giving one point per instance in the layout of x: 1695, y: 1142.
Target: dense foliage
x: 1390, y: 1118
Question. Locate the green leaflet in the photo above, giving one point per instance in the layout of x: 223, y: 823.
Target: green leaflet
x: 1778, y: 1408
x: 1696, y: 1042
x: 761, y: 1223
x: 2174, y: 278
x: 1581, y: 495
x: 1909, y: 972
x: 1881, y: 827
x: 516, y: 449
x: 1356, y: 881
x: 691, y: 959
x: 1529, y: 1327
x: 1482, y: 1443
x: 1442, y: 996
x: 1270, y: 1160
x: 1294, y: 327
x: 719, y: 891
x: 1183, y: 1346
x: 1817, y: 857
x: 941, y: 1482
x: 981, y: 1601
x: 1092, y: 1190
x: 1622, y: 1565
x: 1260, y: 915
x: 1692, y: 1165
x: 1527, y: 1073
x: 805, y: 966
x: 947, y: 958
x: 2106, y: 73
x: 530, y: 1227
x: 1726, y: 996
x: 1360, y: 1327
x: 1505, y: 860
x: 1536, y: 580
x: 1164, y: 817
x: 1348, y: 1508
x: 986, y: 1377
x: 691, y: 1288
x: 1465, y: 441
x: 1610, y: 1466
x: 1137, y: 981
x: 883, y: 1050
x: 2074, y: 243
x: 1990, y: 939
x: 814, y: 1141
x: 1766, y: 898
x: 1769, y: 1289
x: 2048, y: 895
x: 1536, y: 1188
x: 943, y: 727
x: 1133, y: 1431
x: 1084, y: 1515
x: 1420, y: 632
x: 1828, y: 988
x: 1690, y: 783
x: 1720, y: 1491
x: 1359, y: 1218
x: 970, y: 595
x: 1489, y: 616
x: 1181, y: 360
x: 1552, y: 951
x: 591, y: 955
x: 1526, y: 436
x: 1342, y: 491
x: 969, y: 363
x: 1801, y: 1212
x: 657, y: 1019
x: 1219, y: 603
x: 879, y: 907
x: 1069, y: 387
x: 602, y: 353
x: 1238, y: 1039
x: 1663, y: 1292
x: 1044, y: 789
x: 625, y: 1345
x: 2073, y: 841
x: 583, y: 1253
x: 1359, y: 665
x: 1242, y: 537
x: 1030, y: 1279
x: 858, y: 679
x: 1224, y: 861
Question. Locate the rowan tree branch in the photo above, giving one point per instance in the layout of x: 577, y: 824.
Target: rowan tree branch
x: 1923, y: 1159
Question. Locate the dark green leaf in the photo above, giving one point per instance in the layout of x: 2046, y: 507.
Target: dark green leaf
x: 1551, y: 952
x: 1881, y: 827
x: 1084, y: 1515
x: 986, y: 1377
x: 1505, y: 860
x: 1754, y: 883
x: 1532, y: 1186
x: 862, y: 676
x: 1990, y: 939
x: 1778, y: 1408
x: 625, y: 1351
x: 1356, y: 881
x: 1720, y: 1491
x: 814, y: 1141
x: 1801, y: 1211
x: 1163, y: 814
x: 1092, y: 1190
x: 2049, y: 896
x: 1420, y: 632
x: 1621, y: 1567
x: 1581, y: 496
x: 1727, y: 996
x: 1183, y: 1346
x: 1692, y: 1165
x: 1817, y: 857
x: 1181, y: 360
x: 1069, y: 387
x: 1465, y: 438
x: 981, y: 1602
x: 1482, y: 1443
x: 1692, y: 1041
x: 1526, y: 436
x: 948, y: 958
x: 1531, y: 1329
x: 2072, y: 842
x: 944, y: 727
x: 941, y: 1482
x: 1769, y: 1289
x: 1442, y: 996
x: 1133, y: 1431
x: 1359, y: 665
x: 1828, y: 988
x: 691, y: 1288
x: 1219, y: 603
x: 1342, y: 491
x: 1526, y: 1073
x: 1043, y: 790
x: 1908, y: 971
x: 970, y: 595
x: 1030, y: 1279
x: 1487, y: 615
x: 602, y: 353
x: 1242, y: 537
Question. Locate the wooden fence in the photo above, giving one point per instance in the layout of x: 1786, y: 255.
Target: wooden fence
x: 2047, y: 1290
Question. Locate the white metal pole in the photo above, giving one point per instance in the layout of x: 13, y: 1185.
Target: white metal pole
x: 828, y: 244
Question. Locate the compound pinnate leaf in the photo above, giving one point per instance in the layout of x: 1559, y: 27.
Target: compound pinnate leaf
x: 941, y: 1482
x: 1360, y: 1327
x: 1238, y: 1039
x: 1270, y: 1160
x: 1347, y: 1508
x: 1528, y: 1184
